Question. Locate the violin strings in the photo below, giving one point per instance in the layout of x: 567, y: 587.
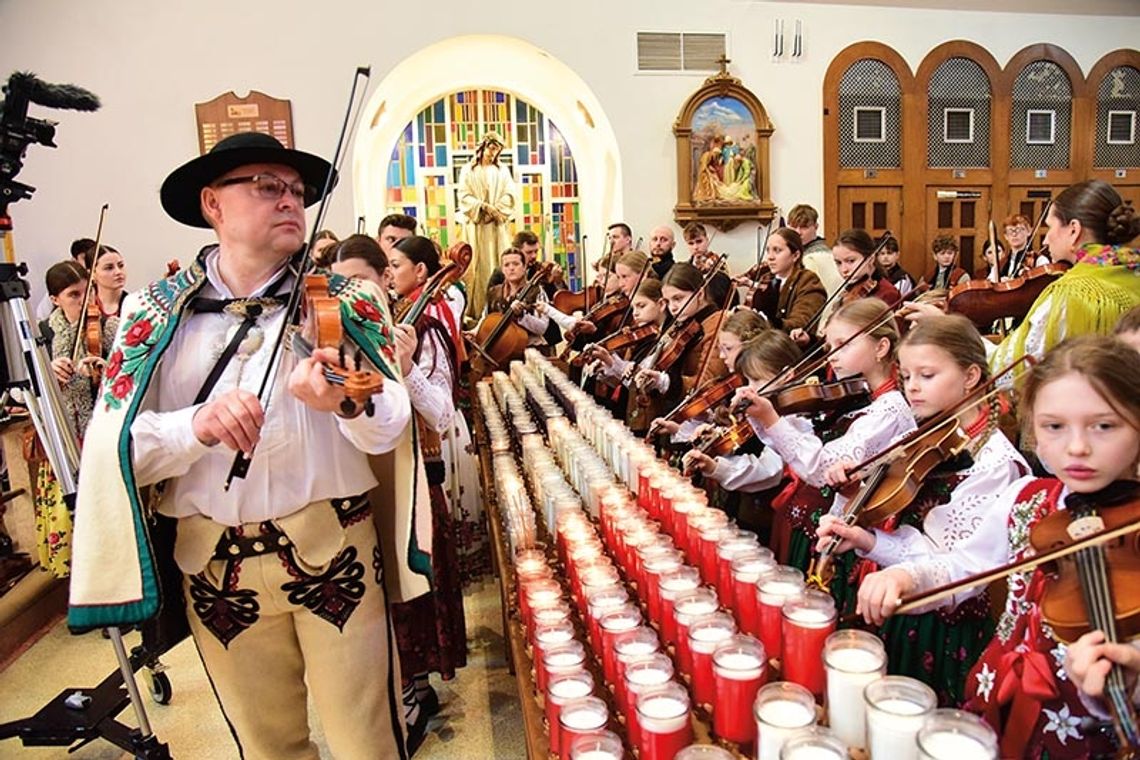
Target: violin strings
x: 1092, y: 570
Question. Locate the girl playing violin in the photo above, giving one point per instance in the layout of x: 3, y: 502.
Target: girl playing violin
x: 792, y: 295
x: 992, y: 269
x: 865, y: 279
x: 66, y: 283
x: 619, y: 282
x: 687, y: 344
x: 1080, y: 411
x: 751, y: 468
x: 110, y: 275
x: 430, y: 629
x: 940, y: 362
x: 648, y: 310
x: 737, y: 329
x: 863, y: 338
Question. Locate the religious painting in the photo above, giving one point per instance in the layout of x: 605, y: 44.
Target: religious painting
x: 722, y: 156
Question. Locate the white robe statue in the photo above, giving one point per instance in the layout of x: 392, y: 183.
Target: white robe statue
x: 487, y: 195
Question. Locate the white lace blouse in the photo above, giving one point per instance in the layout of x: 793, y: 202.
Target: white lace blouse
x: 966, y: 535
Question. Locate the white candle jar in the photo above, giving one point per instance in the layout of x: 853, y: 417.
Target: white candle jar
x: 897, y: 707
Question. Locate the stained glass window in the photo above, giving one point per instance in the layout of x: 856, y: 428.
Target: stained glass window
x: 426, y: 159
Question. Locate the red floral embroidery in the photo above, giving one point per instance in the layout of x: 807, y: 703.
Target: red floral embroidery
x: 122, y: 386
x: 366, y: 309
x: 138, y: 332
x: 114, y: 364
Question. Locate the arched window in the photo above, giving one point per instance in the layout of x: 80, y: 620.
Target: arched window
x: 958, y: 115
x: 429, y: 153
x: 870, y: 116
x: 1041, y: 117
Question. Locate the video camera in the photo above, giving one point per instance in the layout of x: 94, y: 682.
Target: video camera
x: 18, y: 130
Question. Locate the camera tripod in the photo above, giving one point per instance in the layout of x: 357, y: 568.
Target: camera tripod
x: 77, y: 714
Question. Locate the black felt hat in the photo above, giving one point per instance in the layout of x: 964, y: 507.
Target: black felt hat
x: 181, y: 192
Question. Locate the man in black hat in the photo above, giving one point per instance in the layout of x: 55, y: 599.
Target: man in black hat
x: 282, y: 570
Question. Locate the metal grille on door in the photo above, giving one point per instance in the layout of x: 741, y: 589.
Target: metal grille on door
x: 960, y: 85
x: 1042, y: 94
x: 871, y: 85
x: 1119, y: 95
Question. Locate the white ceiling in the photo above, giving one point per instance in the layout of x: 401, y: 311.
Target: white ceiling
x: 1068, y: 7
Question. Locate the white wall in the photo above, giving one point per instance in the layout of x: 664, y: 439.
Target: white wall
x: 151, y: 61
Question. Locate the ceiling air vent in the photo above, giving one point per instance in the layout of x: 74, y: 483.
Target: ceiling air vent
x: 680, y: 51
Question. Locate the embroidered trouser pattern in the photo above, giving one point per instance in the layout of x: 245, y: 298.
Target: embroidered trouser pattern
x: 266, y: 626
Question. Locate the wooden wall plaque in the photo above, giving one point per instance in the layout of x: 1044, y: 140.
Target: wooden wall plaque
x: 228, y: 114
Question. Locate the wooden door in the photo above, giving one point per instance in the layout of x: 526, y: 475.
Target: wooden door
x: 875, y: 209
x: 1030, y: 202
x: 964, y: 214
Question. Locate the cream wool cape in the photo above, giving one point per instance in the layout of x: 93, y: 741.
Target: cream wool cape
x: 113, y: 576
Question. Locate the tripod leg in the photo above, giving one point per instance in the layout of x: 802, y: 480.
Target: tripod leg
x: 128, y: 674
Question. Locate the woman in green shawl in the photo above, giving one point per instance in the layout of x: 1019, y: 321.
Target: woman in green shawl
x: 1089, y: 225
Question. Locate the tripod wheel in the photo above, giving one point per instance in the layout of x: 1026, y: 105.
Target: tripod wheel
x: 160, y: 689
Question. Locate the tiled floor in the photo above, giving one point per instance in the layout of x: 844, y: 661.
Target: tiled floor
x: 480, y: 717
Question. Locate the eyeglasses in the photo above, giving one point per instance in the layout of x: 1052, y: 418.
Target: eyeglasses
x: 270, y: 187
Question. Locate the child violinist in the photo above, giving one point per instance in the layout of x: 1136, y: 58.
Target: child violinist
x: 792, y: 296
x: 751, y: 468
x: 737, y: 329
x: 1081, y: 414
x: 889, y: 262
x: 677, y: 367
x: 853, y: 252
x: 940, y: 363
x: 648, y: 310
x: 863, y: 339
x: 947, y: 273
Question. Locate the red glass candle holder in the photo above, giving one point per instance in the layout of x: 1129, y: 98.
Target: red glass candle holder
x: 598, y: 603
x: 664, y: 716
x: 705, y: 635
x: 688, y: 609
x: 728, y: 549
x: 563, y: 658
x: 563, y: 688
x: 808, y: 620
x: 629, y: 647
x: 772, y: 590
x: 746, y: 570
x: 641, y: 675
x: 614, y: 622
x: 671, y: 586
x: 580, y: 717
x: 740, y: 667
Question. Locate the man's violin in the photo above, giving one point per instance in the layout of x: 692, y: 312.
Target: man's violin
x: 321, y: 327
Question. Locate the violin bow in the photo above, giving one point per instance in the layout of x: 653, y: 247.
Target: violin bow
x: 812, y: 323
x: 995, y: 273
x: 945, y: 591
x: 582, y: 264
x: 656, y: 352
x: 240, y: 466
x: 1020, y: 262
x: 90, y: 285
x: 716, y: 331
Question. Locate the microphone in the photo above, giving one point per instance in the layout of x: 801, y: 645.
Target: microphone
x: 33, y: 89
